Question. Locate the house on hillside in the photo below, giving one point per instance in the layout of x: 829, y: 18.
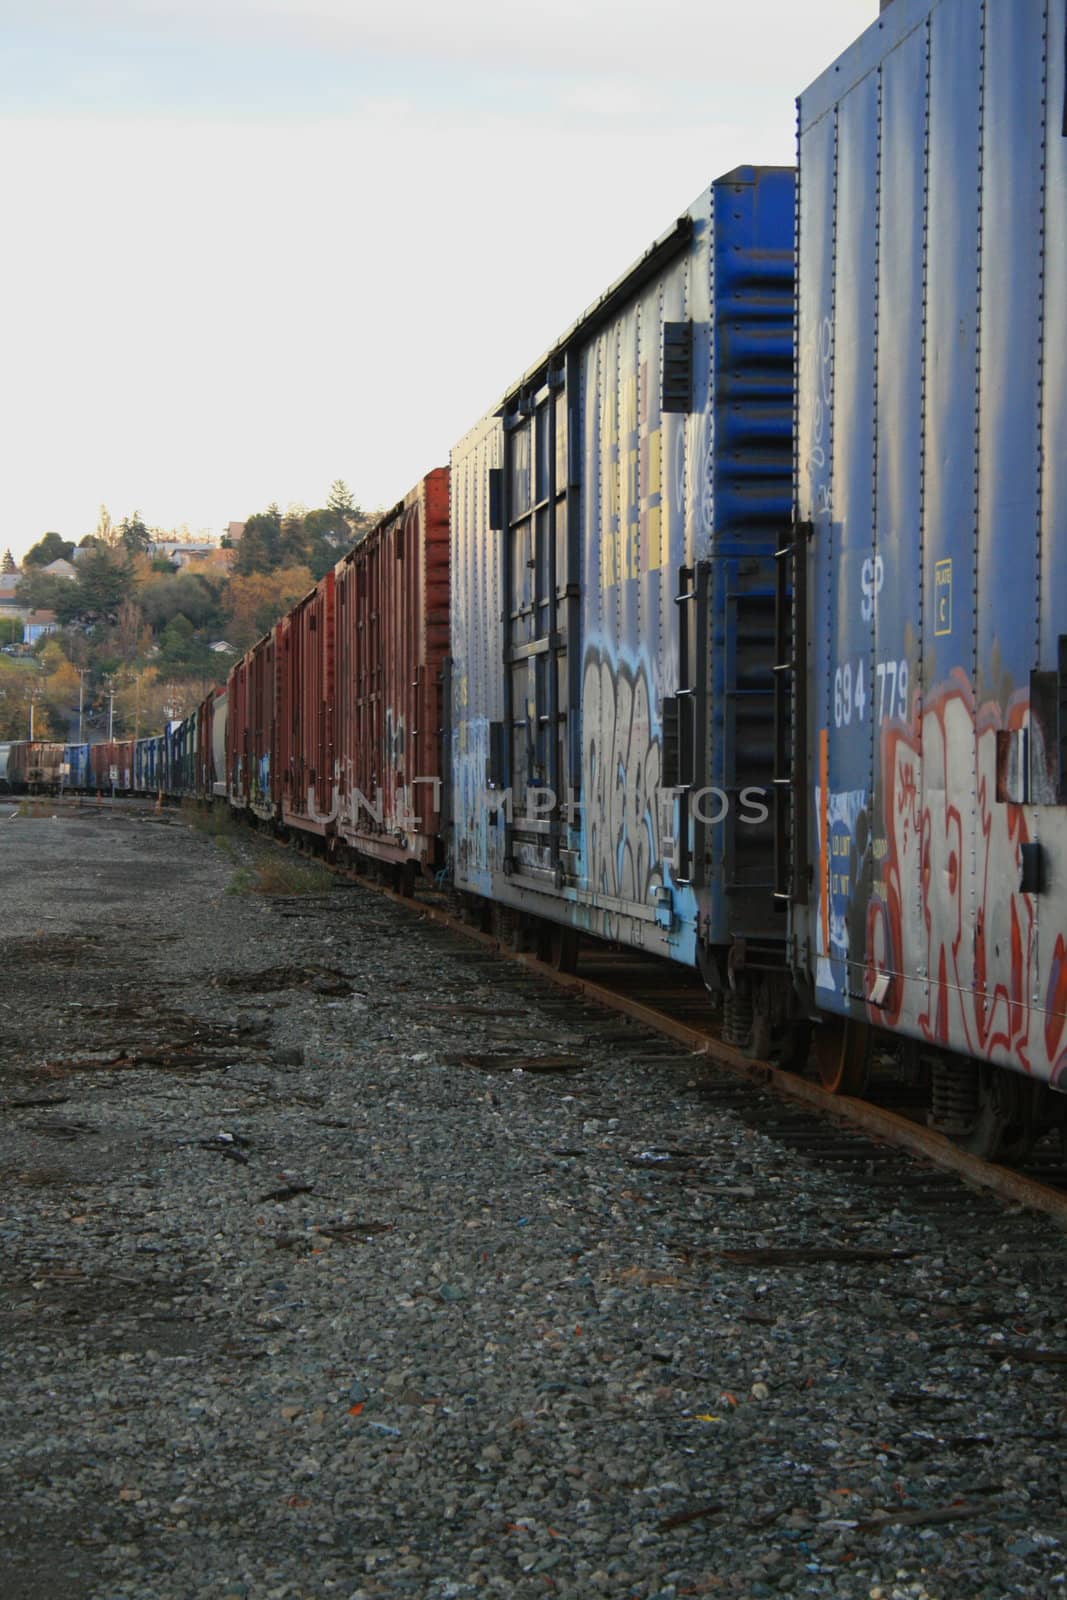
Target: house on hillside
x: 61, y: 569
x: 37, y: 624
x: 11, y: 612
x: 180, y: 552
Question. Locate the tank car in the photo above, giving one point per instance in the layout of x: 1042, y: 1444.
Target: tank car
x: 928, y: 881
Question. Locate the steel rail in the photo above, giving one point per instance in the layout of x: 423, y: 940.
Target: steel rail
x: 888, y: 1126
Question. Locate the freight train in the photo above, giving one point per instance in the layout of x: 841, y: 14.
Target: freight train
x: 736, y: 630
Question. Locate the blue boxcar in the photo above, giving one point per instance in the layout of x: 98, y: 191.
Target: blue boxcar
x: 614, y: 523
x: 932, y: 469
x: 76, y: 758
x: 148, y: 764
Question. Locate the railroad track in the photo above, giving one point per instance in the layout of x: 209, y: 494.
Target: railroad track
x: 795, y: 1110
x: 791, y: 1108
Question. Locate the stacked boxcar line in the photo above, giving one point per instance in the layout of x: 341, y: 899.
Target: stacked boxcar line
x: 735, y: 630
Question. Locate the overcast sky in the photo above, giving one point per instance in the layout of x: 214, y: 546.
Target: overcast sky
x: 251, y: 246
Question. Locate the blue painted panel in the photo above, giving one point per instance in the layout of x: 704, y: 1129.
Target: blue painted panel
x: 845, y: 840
x: 946, y: 772
x: 814, y: 447
x: 1009, y: 372
x: 1054, y: 398
x: 751, y: 503
x: 950, y: 445
x: 76, y: 757
x: 891, y: 596
x: 968, y: 501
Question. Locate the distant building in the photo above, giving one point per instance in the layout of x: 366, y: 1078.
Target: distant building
x: 223, y: 560
x: 180, y: 552
x: 61, y: 569
x: 10, y: 609
x: 37, y: 624
x: 234, y: 530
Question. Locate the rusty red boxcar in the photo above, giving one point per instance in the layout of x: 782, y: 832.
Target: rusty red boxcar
x: 251, y: 733
x: 306, y: 765
x: 392, y: 643
x: 111, y: 765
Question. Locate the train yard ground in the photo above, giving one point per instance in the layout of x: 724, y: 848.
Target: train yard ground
x: 342, y: 1257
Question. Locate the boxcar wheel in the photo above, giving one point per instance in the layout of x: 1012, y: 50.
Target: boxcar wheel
x: 1003, y: 1128
x: 557, y: 947
x: 841, y: 1054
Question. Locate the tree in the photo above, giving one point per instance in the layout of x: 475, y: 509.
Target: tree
x: 327, y: 535
x: 103, y: 583
x: 131, y: 637
x: 260, y: 543
x: 8, y: 563
x: 134, y: 534
x: 256, y: 602
x: 163, y: 597
x: 340, y: 499
x: 44, y: 591
x: 50, y: 547
x: 21, y: 681
x: 60, y: 688
x: 105, y: 532
x: 292, y: 545
x: 181, y: 652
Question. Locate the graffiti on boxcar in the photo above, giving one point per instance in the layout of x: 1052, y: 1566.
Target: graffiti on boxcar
x: 621, y: 772
x: 820, y: 364
x: 950, y: 909
x: 844, y: 874
x: 395, y: 739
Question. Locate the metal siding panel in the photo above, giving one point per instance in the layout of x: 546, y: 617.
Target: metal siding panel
x: 1050, y: 823
x: 1054, y: 395
x: 1004, y: 933
x: 893, y: 595
x: 974, y: 505
x: 946, y: 797
x: 815, y: 412
x: 1008, y: 356
x: 849, y: 765
x: 752, y: 279
x: 476, y: 645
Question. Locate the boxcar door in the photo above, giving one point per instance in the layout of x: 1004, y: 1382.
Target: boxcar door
x: 540, y: 628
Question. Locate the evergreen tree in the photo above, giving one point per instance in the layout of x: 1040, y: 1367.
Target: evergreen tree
x: 340, y: 499
x: 8, y: 563
x: 133, y: 533
x: 50, y: 547
x: 260, y: 546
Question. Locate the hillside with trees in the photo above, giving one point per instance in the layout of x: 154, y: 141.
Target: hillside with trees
x: 145, y: 638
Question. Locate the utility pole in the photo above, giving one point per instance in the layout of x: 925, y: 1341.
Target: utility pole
x: 110, y: 709
x: 81, y: 699
x: 33, y: 701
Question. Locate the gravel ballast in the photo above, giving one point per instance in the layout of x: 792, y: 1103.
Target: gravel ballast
x: 313, y: 1285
